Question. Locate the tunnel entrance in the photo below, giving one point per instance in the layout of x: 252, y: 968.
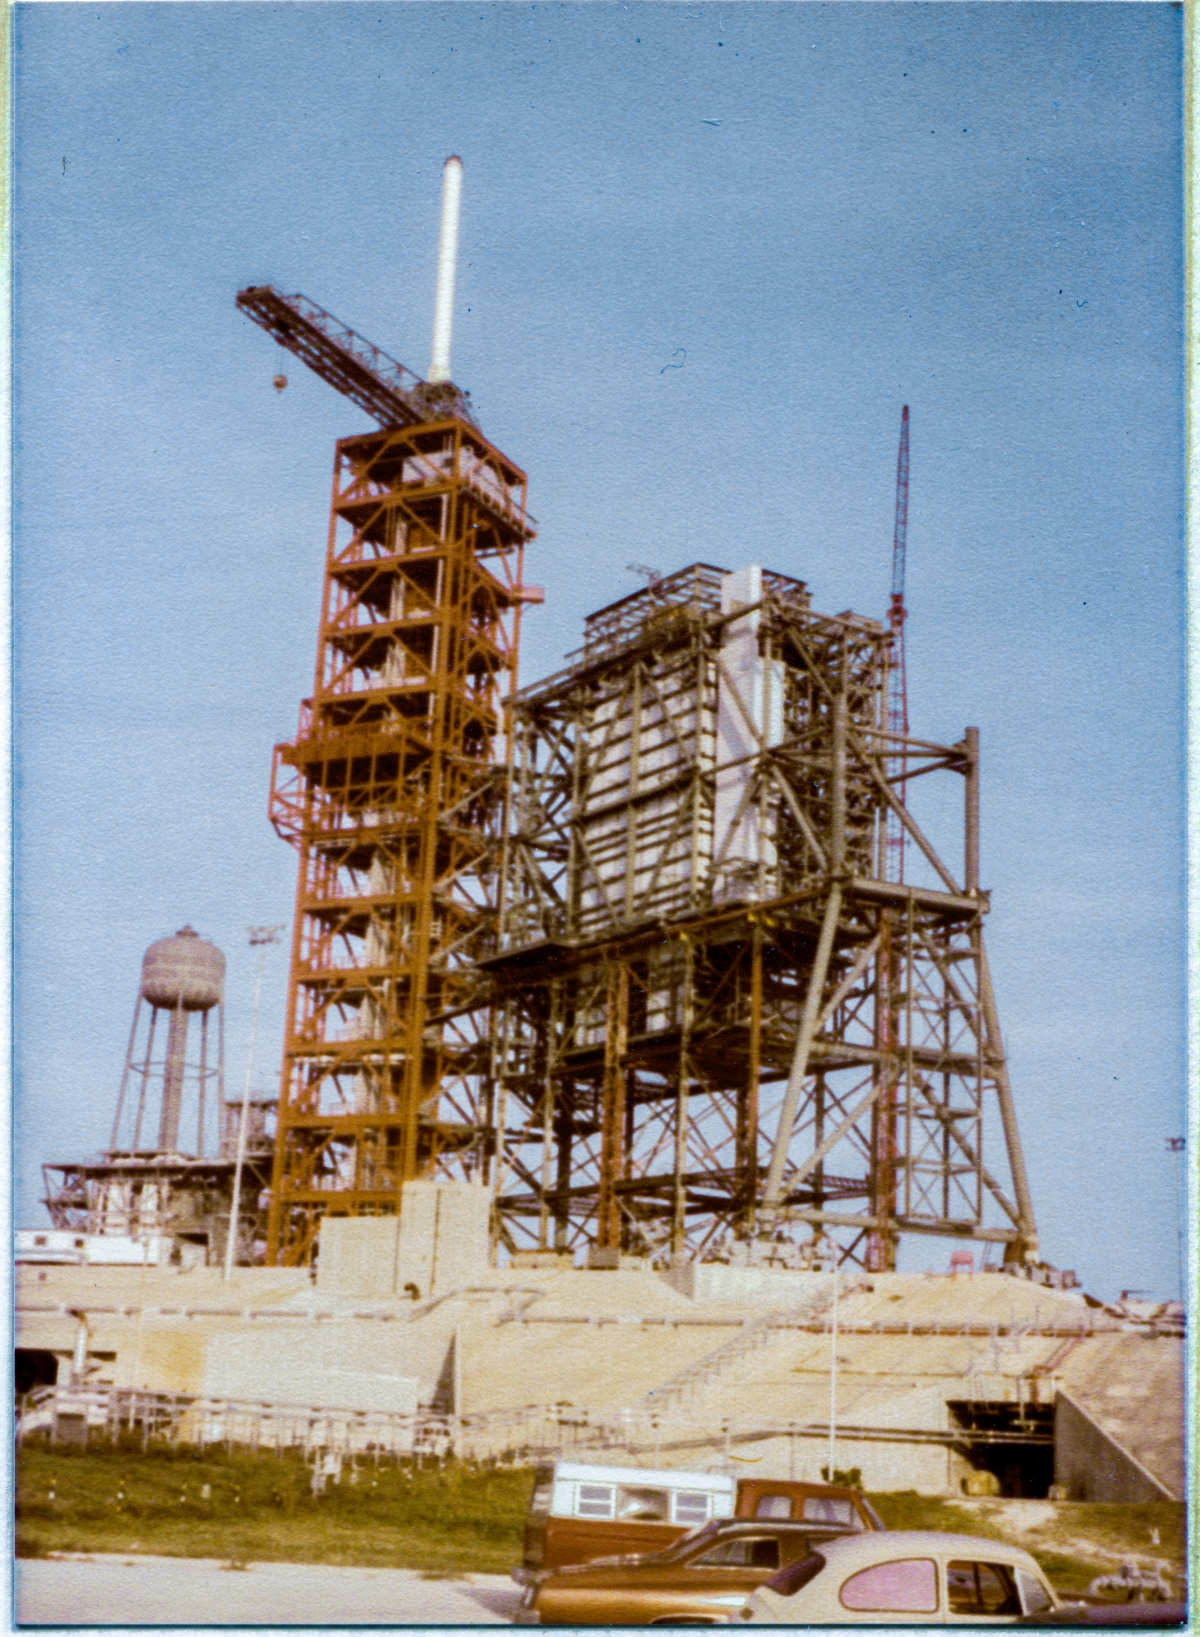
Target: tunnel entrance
x: 1014, y: 1442
x: 34, y: 1367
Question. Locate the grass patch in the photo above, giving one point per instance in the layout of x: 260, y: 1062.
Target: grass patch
x: 1074, y: 1541
x: 240, y: 1509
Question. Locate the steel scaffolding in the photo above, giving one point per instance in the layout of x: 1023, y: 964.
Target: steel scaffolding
x: 715, y: 1018
x: 392, y: 794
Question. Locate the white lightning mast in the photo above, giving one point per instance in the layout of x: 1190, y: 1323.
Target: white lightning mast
x: 443, y: 311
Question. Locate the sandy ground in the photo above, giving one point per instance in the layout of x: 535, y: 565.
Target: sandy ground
x: 176, y: 1591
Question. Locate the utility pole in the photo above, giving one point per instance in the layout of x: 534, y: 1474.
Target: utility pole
x: 1178, y: 1145
x: 260, y: 937
x: 833, y: 1362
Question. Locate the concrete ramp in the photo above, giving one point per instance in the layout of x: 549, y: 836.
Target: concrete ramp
x: 1120, y: 1432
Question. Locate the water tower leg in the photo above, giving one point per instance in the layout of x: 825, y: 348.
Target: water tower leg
x: 172, y: 1097
x: 203, y: 1084
x: 141, y: 1108
x: 137, y: 1012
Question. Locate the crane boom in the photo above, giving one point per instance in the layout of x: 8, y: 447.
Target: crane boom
x: 390, y: 393
x: 889, y: 977
x: 900, y: 535
x: 897, y: 696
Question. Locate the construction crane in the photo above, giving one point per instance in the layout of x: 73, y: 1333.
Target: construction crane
x: 391, y: 790
x: 897, y: 698
x: 391, y: 394
x: 881, y: 1241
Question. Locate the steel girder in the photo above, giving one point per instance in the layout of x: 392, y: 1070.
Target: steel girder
x: 659, y: 1011
x: 392, y: 794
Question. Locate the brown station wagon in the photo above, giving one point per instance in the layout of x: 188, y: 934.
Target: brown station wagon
x: 704, y: 1579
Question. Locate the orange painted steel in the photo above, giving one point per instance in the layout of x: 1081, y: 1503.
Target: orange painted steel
x: 392, y: 791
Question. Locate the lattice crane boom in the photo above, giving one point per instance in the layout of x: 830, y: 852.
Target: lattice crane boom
x: 900, y: 534
x: 881, y: 1241
x: 391, y: 394
x: 897, y: 697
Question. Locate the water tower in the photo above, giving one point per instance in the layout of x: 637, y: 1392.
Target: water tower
x: 165, y: 1192
x: 181, y: 975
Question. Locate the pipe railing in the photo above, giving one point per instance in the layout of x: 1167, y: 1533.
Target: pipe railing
x: 95, y: 1413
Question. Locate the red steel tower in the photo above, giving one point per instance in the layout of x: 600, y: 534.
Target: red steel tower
x: 392, y: 792
x: 881, y: 1244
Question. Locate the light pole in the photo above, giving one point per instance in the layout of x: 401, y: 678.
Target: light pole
x: 1178, y: 1145
x: 833, y: 1361
x: 260, y: 937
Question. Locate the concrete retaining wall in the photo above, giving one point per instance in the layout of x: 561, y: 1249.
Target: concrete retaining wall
x: 439, y: 1241
x: 1092, y: 1466
x: 722, y: 1285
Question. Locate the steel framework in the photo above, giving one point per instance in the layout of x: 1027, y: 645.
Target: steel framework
x: 707, y: 994
x: 147, y: 1195
x: 391, y: 393
x: 392, y: 794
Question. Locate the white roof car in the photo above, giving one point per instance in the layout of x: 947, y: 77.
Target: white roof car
x: 904, y: 1577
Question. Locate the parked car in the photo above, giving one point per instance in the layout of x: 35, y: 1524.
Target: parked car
x: 579, y: 1512
x: 904, y: 1577
x: 703, y: 1579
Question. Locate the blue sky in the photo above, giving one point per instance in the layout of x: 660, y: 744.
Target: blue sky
x: 826, y: 211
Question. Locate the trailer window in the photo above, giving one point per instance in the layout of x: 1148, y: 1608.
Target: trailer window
x: 635, y: 1502
x: 594, y: 1501
x: 690, y: 1506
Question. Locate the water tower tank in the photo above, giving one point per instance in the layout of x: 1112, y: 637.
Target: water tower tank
x: 185, y: 970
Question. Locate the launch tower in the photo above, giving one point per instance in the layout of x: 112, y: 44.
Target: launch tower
x: 392, y: 791
x: 718, y: 1021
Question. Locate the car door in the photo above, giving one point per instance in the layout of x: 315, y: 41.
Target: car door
x: 729, y: 1570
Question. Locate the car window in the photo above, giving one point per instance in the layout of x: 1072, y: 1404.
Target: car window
x: 981, y: 1588
x: 690, y: 1505
x: 906, y: 1586
x: 773, y: 1506
x: 1034, y: 1596
x: 795, y: 1545
x: 828, y: 1509
x: 790, y: 1580
x: 594, y: 1501
x: 634, y: 1501
x: 744, y: 1552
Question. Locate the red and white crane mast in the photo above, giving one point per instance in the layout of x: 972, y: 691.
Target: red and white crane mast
x: 897, y: 696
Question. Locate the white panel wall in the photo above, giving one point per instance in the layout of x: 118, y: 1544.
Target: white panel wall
x: 749, y: 720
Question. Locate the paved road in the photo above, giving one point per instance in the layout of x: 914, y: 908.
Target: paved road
x: 153, y: 1591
